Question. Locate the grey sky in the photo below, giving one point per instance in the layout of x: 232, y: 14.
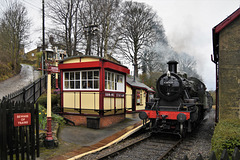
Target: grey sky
x: 188, y: 25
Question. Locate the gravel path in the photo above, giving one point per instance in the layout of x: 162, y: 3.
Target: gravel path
x: 25, y: 77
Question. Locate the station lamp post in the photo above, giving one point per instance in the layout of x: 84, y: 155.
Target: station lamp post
x: 49, y: 139
x: 49, y: 142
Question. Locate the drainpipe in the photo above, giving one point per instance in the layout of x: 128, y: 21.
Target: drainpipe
x: 217, y: 91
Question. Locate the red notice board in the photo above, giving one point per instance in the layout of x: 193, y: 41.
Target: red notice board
x: 54, y: 69
x: 22, y: 119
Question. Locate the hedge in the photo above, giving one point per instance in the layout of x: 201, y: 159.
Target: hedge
x: 226, y: 136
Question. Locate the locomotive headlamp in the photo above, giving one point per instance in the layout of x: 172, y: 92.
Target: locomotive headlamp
x: 143, y: 115
x: 181, y: 117
x: 168, y: 74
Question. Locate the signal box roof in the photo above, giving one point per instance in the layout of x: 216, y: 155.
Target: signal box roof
x: 94, y: 62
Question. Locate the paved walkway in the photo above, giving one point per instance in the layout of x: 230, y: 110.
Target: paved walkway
x: 76, y: 140
x: 25, y: 77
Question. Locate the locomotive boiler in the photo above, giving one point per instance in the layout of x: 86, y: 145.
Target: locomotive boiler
x: 180, y: 105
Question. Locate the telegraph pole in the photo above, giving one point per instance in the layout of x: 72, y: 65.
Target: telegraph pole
x: 49, y: 142
x: 43, y: 38
x: 43, y: 26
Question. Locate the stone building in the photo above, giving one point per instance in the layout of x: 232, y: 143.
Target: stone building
x: 226, y: 50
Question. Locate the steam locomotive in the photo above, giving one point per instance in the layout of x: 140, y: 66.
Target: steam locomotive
x: 180, y: 105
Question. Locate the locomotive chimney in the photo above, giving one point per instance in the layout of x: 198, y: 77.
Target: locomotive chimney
x: 172, y: 66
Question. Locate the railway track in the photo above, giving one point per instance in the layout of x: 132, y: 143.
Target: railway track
x: 147, y: 147
x: 142, y: 145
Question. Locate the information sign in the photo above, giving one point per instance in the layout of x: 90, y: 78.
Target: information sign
x: 22, y: 119
x: 54, y: 69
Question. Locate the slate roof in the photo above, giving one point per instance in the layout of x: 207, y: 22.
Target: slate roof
x: 138, y: 84
x: 217, y: 29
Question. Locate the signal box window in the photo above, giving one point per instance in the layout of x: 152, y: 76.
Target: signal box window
x: 80, y: 80
x: 114, y: 81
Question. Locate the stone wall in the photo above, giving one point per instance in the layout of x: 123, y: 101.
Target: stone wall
x: 229, y: 71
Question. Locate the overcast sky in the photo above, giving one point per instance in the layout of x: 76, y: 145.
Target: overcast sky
x: 188, y: 25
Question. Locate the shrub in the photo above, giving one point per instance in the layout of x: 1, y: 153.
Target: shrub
x: 43, y: 117
x: 55, y: 100
x: 5, y: 71
x: 226, y: 136
x: 58, y: 119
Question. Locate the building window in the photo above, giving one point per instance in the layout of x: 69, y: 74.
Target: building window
x: 139, y: 97
x: 76, y: 80
x: 114, y: 81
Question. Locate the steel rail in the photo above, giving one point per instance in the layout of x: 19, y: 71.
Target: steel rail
x: 123, y: 148
x: 170, y: 149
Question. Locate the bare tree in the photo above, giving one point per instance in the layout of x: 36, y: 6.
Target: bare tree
x: 103, y: 14
x: 14, y: 27
x: 137, y: 31
x: 187, y: 64
x: 63, y: 14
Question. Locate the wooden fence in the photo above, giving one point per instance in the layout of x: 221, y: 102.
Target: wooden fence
x: 19, y: 130
x: 224, y: 156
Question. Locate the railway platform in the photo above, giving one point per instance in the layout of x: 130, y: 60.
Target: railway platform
x: 84, y: 140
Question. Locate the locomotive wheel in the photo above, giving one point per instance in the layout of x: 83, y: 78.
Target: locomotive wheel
x: 182, y: 130
x: 151, y: 125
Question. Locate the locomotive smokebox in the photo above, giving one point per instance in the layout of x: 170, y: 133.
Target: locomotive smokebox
x: 172, y: 66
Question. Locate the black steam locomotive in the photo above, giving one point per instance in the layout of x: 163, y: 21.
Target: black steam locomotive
x: 181, y: 103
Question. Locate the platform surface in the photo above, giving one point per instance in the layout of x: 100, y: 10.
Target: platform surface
x: 82, y: 139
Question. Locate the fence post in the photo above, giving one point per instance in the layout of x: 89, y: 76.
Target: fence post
x: 26, y: 132
x: 40, y: 86
x: 24, y: 96
x: 224, y: 155
x: 1, y: 131
x: 236, y: 154
x: 11, y: 127
x: 34, y: 96
x: 4, y: 132
x: 17, y: 131
x: 21, y: 135
x: 199, y: 157
x: 32, y: 131
x: 213, y: 156
x: 37, y: 128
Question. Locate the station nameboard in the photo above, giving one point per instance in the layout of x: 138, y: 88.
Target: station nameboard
x: 22, y: 119
x: 53, y: 69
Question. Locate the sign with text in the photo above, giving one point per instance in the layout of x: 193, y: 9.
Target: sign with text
x: 22, y: 119
x: 54, y: 69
